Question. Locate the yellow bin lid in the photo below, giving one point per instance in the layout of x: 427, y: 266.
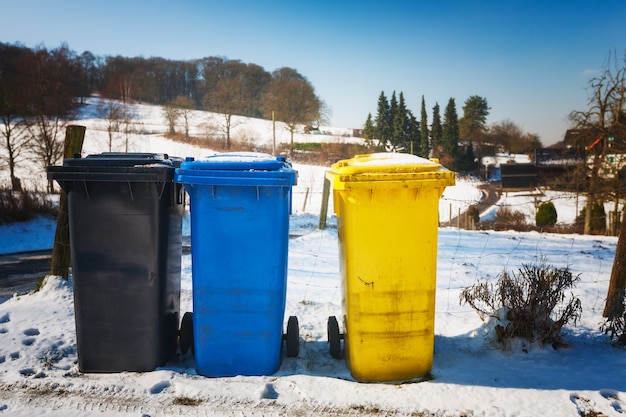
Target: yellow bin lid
x: 388, y: 170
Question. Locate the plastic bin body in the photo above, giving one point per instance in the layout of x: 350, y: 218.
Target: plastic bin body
x: 387, y: 217
x: 239, y: 207
x: 125, y: 219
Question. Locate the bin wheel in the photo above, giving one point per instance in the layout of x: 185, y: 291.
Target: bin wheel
x: 186, y: 333
x: 293, y: 337
x: 334, y: 337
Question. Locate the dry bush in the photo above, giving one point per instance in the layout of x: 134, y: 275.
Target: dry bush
x: 20, y: 206
x: 530, y: 304
x: 506, y: 215
x: 615, y: 322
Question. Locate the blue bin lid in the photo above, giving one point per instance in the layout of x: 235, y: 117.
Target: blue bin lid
x: 237, y: 168
x: 237, y: 161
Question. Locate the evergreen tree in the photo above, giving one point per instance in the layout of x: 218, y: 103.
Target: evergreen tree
x: 400, y: 124
x: 435, y: 131
x: 393, y: 106
x: 450, y: 133
x: 369, y: 129
x: 474, y: 120
x: 467, y: 162
x: 424, y: 150
x: 382, y: 126
x: 414, y: 133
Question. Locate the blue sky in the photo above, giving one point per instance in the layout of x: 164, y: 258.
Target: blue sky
x: 532, y: 60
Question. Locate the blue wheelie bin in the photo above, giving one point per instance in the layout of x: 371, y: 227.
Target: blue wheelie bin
x: 239, y: 205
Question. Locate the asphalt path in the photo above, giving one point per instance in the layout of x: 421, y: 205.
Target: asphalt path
x: 490, y: 195
x: 20, y: 273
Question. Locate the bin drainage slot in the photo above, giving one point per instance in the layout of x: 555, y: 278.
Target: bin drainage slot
x: 371, y: 283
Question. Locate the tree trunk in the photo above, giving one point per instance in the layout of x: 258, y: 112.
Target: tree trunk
x: 60, y: 263
x: 614, y: 306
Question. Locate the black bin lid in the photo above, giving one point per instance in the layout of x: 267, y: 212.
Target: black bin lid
x: 120, y: 159
x: 116, y: 166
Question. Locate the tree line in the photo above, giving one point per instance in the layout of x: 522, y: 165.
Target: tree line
x: 41, y: 88
x: 455, y: 141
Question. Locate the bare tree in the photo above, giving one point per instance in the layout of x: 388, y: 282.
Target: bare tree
x: 602, y: 122
x: 15, y: 142
x: 228, y: 100
x: 604, y: 128
x: 293, y: 99
x: 113, y: 114
x: 184, y: 105
x: 51, y: 102
x: 12, y: 108
x: 171, y: 113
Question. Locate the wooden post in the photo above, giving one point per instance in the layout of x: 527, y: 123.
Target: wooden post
x: 306, y: 197
x: 60, y: 263
x: 324, y: 209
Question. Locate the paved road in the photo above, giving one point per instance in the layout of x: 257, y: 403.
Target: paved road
x: 21, y: 272
x: 491, y: 195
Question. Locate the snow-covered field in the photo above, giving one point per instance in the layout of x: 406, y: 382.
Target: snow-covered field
x: 39, y: 376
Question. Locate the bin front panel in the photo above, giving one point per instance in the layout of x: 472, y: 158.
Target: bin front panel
x: 239, y: 240
x: 388, y: 243
x: 125, y: 250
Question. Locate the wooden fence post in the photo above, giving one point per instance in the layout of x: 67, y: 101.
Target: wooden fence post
x: 324, y: 208
x: 60, y: 263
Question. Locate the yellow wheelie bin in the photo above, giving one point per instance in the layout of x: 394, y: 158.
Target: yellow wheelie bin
x: 387, y: 208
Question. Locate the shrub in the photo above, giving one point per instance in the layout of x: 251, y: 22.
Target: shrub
x: 615, y: 322
x: 529, y: 305
x: 546, y: 215
x: 19, y: 206
x: 473, y: 214
x: 505, y: 215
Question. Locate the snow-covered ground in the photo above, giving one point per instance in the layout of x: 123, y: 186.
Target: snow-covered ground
x: 470, y: 376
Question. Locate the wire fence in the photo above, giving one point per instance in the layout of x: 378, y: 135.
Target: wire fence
x: 464, y: 258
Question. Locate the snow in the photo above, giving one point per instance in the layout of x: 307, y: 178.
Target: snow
x: 470, y: 376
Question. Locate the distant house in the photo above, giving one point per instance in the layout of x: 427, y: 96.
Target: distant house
x: 559, y: 161
x: 491, y: 166
x: 358, y: 133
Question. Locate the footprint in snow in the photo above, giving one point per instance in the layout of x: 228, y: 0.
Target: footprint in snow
x: 614, y: 398
x: 268, y: 392
x: 5, y: 318
x: 159, y: 387
x: 586, y: 406
x: 29, y: 341
x: 31, y: 332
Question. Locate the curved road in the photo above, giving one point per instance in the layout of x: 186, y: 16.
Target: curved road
x: 491, y: 195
